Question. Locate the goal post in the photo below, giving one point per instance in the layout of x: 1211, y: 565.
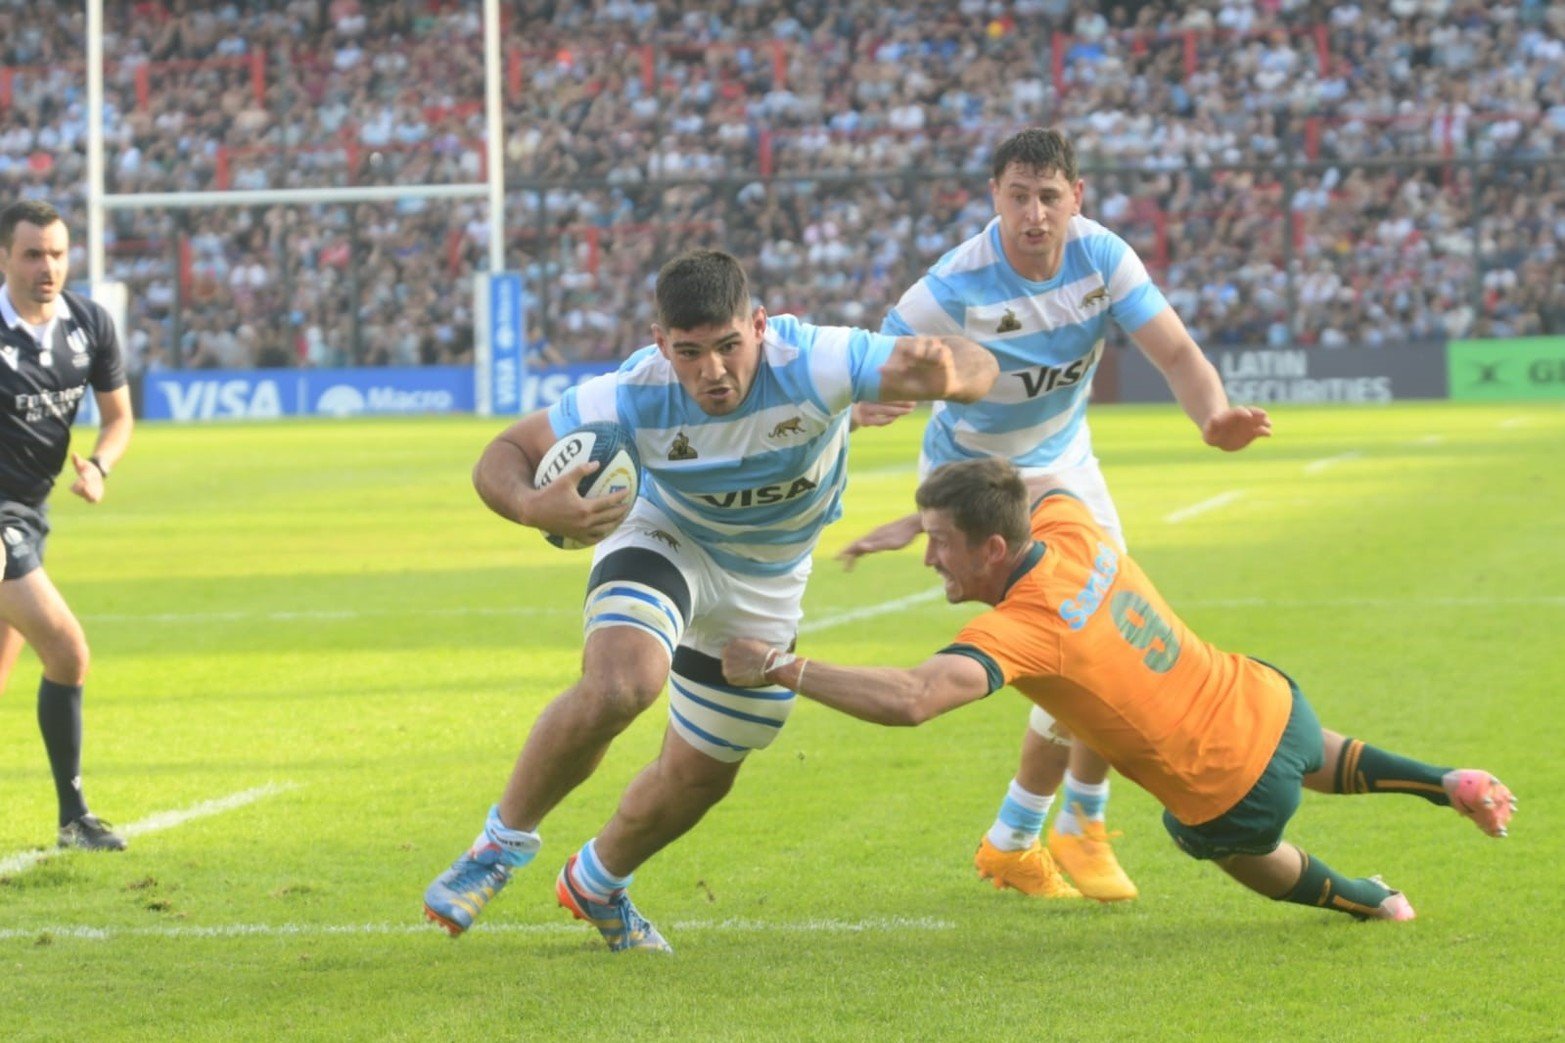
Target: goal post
x: 510, y: 295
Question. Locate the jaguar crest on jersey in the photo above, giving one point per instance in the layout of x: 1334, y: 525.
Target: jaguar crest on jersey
x: 791, y: 426
x: 662, y: 536
x: 681, y: 449
x: 1009, y: 323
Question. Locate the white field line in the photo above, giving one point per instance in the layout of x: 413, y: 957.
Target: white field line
x: 810, y: 625
x: 1317, y: 466
x: 870, y: 611
x: 1429, y: 440
x: 1452, y: 602
x: 1220, y: 500
x: 25, y: 860
x: 291, y: 930
x: 1514, y: 421
x: 308, y: 616
x: 322, y: 615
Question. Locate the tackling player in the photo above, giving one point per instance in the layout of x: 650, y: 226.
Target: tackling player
x: 1224, y: 742
x: 740, y: 421
x: 1037, y: 287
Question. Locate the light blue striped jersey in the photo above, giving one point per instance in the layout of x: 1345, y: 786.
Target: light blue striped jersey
x: 1047, y: 336
x: 754, y: 487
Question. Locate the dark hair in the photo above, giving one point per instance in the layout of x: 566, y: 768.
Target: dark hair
x: 32, y: 211
x: 984, y: 498
x: 701, y: 288
x: 1036, y: 148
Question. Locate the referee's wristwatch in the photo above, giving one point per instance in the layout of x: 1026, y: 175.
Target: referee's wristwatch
x: 99, y: 465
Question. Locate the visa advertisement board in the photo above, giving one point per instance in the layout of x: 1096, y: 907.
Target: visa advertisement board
x: 267, y: 394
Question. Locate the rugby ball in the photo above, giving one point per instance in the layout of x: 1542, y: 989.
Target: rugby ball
x: 619, y: 468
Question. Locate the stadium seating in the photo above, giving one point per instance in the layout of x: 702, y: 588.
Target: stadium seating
x: 837, y: 149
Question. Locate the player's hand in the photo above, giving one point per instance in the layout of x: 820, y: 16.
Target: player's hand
x: 1236, y: 427
x: 922, y: 367
x: 877, y: 414
x: 89, y: 480
x: 744, y: 662
x: 890, y: 536
x: 560, y: 509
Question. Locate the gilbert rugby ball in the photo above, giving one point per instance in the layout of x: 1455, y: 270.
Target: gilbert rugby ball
x: 619, y: 468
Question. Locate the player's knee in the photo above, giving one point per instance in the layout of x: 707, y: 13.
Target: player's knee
x: 708, y: 786
x: 65, y: 658
x: 620, y: 692
x: 708, y: 792
x: 1043, y: 724
x: 701, y: 777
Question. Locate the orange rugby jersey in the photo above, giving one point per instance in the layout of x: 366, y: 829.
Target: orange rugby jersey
x: 1084, y: 634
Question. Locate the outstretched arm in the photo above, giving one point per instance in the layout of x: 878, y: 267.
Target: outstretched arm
x: 504, y: 477
x: 923, y: 368
x: 1195, y: 383
x: 891, y: 536
x: 880, y: 695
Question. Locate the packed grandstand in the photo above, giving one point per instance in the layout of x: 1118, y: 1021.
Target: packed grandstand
x: 1309, y: 174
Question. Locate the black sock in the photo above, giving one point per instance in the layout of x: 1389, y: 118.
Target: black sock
x: 1362, y: 768
x: 60, y: 721
x: 1322, y: 886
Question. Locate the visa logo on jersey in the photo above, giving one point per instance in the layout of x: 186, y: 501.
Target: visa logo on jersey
x: 1044, y: 379
x: 760, y: 496
x: 215, y: 398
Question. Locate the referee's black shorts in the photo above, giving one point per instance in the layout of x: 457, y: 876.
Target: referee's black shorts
x: 23, y: 530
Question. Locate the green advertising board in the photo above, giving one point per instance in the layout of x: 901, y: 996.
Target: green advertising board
x: 1507, y: 370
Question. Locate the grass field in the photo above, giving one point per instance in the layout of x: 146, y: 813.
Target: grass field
x: 316, y: 655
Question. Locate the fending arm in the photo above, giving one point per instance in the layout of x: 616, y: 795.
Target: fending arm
x: 922, y: 368
x: 881, y: 695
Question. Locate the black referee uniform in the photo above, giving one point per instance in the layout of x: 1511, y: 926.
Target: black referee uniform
x: 42, y: 384
x: 41, y: 388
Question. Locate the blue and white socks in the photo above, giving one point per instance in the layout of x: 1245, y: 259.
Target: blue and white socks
x: 514, y: 848
x: 1084, y: 802
x: 589, y: 876
x: 500, y: 843
x: 1020, y: 819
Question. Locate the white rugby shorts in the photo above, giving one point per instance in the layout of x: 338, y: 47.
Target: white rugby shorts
x: 721, y: 720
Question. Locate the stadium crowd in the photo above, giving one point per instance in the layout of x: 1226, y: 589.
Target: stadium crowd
x: 1292, y: 172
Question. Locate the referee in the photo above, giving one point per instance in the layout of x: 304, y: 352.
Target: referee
x: 54, y: 345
